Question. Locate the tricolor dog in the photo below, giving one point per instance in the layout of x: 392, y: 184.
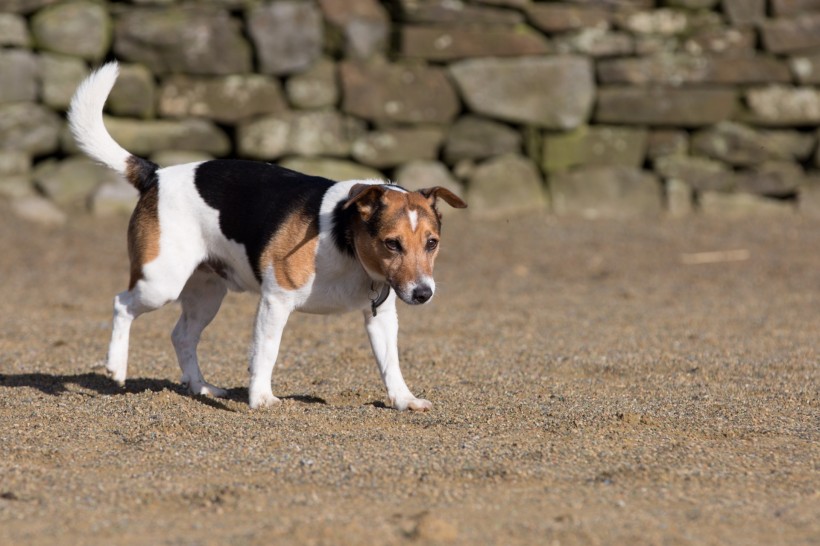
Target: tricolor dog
x: 304, y: 243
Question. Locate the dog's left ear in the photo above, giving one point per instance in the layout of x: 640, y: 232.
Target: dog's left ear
x: 365, y: 197
x: 432, y: 194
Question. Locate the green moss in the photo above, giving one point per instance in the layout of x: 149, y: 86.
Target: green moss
x: 563, y: 150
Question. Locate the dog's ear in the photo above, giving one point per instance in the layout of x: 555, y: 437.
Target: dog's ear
x: 432, y: 194
x: 365, y: 197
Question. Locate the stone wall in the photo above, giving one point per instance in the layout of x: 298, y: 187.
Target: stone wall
x: 599, y: 108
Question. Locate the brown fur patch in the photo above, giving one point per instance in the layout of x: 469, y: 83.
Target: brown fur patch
x: 292, y: 251
x: 394, y: 222
x: 143, y: 234
x: 370, y: 252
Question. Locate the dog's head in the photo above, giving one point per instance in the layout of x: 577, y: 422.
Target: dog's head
x: 397, y: 239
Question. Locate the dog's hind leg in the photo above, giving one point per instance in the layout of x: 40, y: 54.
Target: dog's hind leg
x: 126, y: 309
x: 200, y: 299
x: 160, y: 282
x: 128, y: 305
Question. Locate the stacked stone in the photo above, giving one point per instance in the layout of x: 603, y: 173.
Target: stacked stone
x: 599, y: 108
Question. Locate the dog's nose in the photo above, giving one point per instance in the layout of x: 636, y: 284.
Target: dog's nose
x: 422, y: 293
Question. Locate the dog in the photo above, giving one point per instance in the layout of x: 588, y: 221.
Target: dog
x: 304, y: 243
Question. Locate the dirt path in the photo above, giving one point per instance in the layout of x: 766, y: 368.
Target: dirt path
x: 588, y: 388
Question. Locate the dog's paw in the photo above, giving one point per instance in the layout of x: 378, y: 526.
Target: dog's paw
x: 262, y: 400
x: 116, y: 373
x: 206, y: 389
x: 419, y: 404
x: 412, y: 404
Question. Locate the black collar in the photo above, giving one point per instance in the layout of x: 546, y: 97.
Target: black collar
x: 379, y: 299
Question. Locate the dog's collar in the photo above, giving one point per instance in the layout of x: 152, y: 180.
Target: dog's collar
x: 380, y: 297
x: 383, y: 292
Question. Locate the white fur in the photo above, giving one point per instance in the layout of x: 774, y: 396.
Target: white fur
x: 414, y: 219
x: 85, y: 117
x: 383, y: 331
x: 200, y: 301
x: 190, y: 236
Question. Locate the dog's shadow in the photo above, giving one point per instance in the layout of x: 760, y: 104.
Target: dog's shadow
x: 56, y: 385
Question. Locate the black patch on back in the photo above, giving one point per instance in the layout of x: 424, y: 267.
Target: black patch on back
x: 254, y: 199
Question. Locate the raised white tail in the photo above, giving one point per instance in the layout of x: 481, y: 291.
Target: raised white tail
x: 85, y: 117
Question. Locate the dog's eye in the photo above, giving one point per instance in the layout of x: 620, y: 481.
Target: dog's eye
x: 393, y: 245
x: 432, y: 244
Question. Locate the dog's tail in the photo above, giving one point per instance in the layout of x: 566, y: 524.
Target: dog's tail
x: 85, y: 117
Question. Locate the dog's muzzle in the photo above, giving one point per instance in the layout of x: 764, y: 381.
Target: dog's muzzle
x: 422, y: 294
x: 416, y: 293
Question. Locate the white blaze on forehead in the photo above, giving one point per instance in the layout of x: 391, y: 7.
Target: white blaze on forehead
x: 414, y: 219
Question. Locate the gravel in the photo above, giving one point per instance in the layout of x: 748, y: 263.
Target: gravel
x: 589, y: 386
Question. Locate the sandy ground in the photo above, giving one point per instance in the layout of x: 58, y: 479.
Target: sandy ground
x: 589, y: 387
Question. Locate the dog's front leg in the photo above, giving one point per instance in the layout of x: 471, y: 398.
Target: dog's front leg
x: 271, y: 317
x: 383, y: 330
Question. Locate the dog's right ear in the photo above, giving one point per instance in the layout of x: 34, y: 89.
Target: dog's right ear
x: 365, y: 197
